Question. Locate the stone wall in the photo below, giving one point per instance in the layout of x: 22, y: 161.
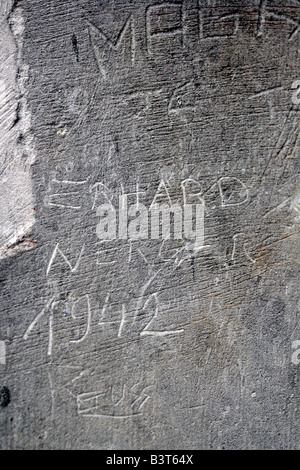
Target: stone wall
x: 139, y: 342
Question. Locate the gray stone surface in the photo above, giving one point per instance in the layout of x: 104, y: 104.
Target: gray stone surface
x: 146, y: 344
x: 16, y: 142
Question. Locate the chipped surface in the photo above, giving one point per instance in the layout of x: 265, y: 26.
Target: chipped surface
x: 151, y: 343
x: 16, y: 143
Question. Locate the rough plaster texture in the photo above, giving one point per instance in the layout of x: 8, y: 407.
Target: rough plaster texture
x: 146, y: 344
x: 17, y: 150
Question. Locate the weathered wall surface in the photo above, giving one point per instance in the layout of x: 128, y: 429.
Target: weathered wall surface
x: 17, y: 150
x: 141, y: 343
